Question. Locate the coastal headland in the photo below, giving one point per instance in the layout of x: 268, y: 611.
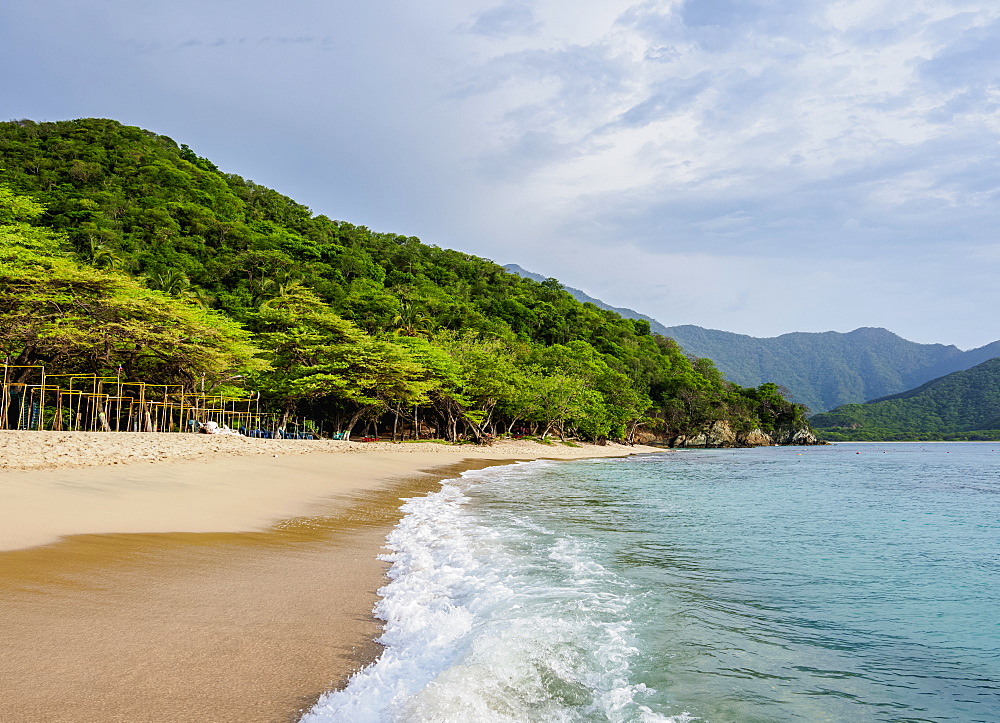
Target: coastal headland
x: 168, y: 577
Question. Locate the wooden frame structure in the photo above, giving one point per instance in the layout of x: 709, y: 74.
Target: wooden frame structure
x: 94, y: 403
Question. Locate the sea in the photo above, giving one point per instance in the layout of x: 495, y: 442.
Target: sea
x: 850, y: 582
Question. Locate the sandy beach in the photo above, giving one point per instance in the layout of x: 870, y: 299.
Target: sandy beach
x: 157, y: 577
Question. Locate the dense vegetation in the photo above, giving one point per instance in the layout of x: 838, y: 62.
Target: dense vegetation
x: 962, y: 405
x: 122, y: 248
x: 70, y: 316
x: 826, y: 370
x: 582, y: 296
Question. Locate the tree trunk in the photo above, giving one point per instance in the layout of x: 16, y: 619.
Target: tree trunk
x: 352, y: 421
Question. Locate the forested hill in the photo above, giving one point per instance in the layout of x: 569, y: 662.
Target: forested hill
x: 828, y: 369
x: 104, y: 227
x: 819, y: 370
x: 582, y: 296
x: 962, y: 405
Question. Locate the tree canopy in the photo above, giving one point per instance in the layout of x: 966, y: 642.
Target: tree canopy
x: 961, y: 405
x: 74, y: 317
x: 135, y: 251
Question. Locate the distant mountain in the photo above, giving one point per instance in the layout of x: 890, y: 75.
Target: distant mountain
x: 654, y: 326
x: 962, y: 405
x: 822, y: 370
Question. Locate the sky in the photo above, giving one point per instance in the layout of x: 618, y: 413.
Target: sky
x: 757, y: 166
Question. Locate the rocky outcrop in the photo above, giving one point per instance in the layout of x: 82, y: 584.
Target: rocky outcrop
x: 721, y: 434
x: 757, y: 438
x: 644, y: 436
x: 797, y: 437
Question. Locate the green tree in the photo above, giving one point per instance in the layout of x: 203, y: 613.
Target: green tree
x: 129, y: 199
x: 316, y: 354
x: 70, y: 317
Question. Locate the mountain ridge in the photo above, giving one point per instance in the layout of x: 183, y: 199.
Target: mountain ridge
x: 582, y: 296
x: 822, y: 370
x: 962, y: 405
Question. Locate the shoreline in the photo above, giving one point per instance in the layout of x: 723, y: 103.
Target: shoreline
x: 921, y: 441
x: 252, y: 622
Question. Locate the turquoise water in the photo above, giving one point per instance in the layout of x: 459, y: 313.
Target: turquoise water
x: 842, y: 583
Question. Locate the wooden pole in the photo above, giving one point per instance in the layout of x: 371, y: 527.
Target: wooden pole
x: 57, y: 421
x: 118, y: 418
x: 5, y: 404
x: 93, y: 408
x: 41, y: 403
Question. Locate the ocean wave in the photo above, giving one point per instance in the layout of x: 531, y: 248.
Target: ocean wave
x: 489, y: 617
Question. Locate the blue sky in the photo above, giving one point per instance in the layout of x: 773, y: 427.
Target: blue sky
x: 759, y: 166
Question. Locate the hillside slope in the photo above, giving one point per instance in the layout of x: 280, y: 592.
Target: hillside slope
x: 961, y: 405
x: 827, y: 369
x: 820, y: 370
x: 352, y: 324
x: 582, y: 296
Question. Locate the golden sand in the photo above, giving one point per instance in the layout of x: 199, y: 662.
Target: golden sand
x: 222, y: 583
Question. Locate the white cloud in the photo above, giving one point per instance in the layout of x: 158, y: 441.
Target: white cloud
x: 852, y: 146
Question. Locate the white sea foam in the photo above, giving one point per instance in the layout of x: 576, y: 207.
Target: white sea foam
x: 493, y: 618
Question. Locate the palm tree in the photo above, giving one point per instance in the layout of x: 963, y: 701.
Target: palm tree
x: 171, y: 281
x: 410, y: 322
x: 100, y: 255
x: 198, y: 296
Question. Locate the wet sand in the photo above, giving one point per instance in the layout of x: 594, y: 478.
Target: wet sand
x: 208, y: 587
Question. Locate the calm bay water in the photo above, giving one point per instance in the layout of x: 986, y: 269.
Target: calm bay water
x: 843, y: 583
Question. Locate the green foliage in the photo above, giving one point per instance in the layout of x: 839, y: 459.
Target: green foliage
x: 72, y: 317
x: 962, y: 405
x: 314, y: 354
x: 826, y: 370
x: 352, y: 324
x: 15, y: 208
